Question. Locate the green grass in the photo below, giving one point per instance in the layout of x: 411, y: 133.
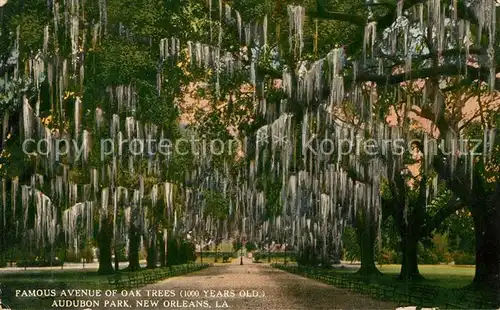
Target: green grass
x: 223, y: 247
x: 60, y: 279
x: 447, y: 276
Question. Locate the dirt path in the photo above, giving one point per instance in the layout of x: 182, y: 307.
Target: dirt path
x: 233, y: 286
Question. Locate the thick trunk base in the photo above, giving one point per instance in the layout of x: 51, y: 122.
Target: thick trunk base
x: 410, y: 277
x: 163, y: 255
x: 409, y: 266
x: 368, y: 270
x: 487, y: 274
x: 366, y: 239
x: 104, y: 243
x: 151, y: 250
x: 133, y: 250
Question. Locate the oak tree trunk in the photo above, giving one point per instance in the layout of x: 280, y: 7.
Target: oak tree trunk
x: 133, y: 248
x: 151, y: 252
x: 104, y: 243
x: 366, y: 235
x: 163, y: 256
x: 486, y: 221
x: 409, y: 265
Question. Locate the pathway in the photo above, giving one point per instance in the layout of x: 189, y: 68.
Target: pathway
x: 220, y: 286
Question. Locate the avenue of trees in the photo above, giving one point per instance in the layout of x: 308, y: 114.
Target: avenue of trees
x: 271, y: 75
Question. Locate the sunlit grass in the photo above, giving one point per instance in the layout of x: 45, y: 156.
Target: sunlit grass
x: 449, y: 276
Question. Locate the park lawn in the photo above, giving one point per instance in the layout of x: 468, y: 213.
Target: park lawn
x: 447, y: 276
x: 223, y: 247
x: 211, y: 260
x: 279, y: 260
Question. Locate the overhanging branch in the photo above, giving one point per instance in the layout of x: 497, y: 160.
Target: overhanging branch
x: 338, y: 16
x: 385, y: 21
x: 443, y: 71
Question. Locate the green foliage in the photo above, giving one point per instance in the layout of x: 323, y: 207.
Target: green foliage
x: 31, y: 24
x: 440, y: 247
x: 272, y: 191
x: 250, y: 246
x: 71, y: 257
x: 461, y: 258
x: 388, y: 256
x: 10, y: 92
x: 352, y: 250
x: 237, y: 245
x: 217, y: 205
x: 214, y: 254
x: 122, y: 257
x: 459, y: 228
x: 88, y: 254
x: 39, y: 263
x: 427, y: 256
x: 307, y: 257
x: 180, y: 252
x: 256, y: 257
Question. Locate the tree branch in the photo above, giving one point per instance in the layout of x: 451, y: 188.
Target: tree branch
x: 385, y: 21
x: 447, y: 70
x: 338, y: 16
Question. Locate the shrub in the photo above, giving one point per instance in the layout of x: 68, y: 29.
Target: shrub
x: 88, y: 254
x: 237, y: 245
x: 428, y: 257
x: 180, y: 252
x: 308, y: 257
x: 250, y: 246
x: 39, y: 263
x: 188, y: 250
x: 215, y: 254
x: 464, y: 258
x: 71, y: 257
x: 448, y: 257
x: 352, y: 251
x: 256, y: 257
x: 225, y: 258
x: 280, y: 254
x: 387, y: 256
